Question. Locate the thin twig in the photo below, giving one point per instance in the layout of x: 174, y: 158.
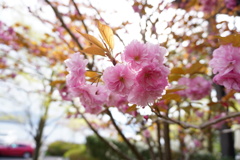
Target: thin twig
x: 79, y: 13
x: 159, y: 140
x: 110, y: 144
x: 132, y: 147
x: 58, y: 15
x: 121, y: 40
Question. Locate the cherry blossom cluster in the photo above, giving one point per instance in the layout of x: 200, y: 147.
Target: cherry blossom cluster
x: 230, y: 4
x: 8, y: 36
x: 209, y: 5
x: 226, y: 66
x: 139, y: 79
x: 196, y: 88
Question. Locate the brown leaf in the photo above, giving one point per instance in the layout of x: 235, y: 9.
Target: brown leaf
x: 107, y: 34
x: 228, y: 96
x: 93, y: 40
x: 176, y: 88
x: 233, y: 39
x: 195, y: 68
x: 177, y: 70
x: 91, y: 74
x: 171, y: 96
x: 132, y: 108
x: 174, y: 77
x: 53, y: 83
x: 94, y: 51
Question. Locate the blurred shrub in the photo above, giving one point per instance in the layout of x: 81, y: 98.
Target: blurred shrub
x: 78, y: 154
x: 203, y: 157
x: 58, y: 148
x: 101, y: 151
x: 227, y: 158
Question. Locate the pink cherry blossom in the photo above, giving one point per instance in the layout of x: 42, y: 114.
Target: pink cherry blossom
x: 136, y: 8
x: 200, y: 88
x: 140, y: 79
x: 149, y: 85
x: 230, y: 4
x: 226, y: 58
x: 156, y: 53
x: 199, y: 113
x: 229, y: 80
x: 76, y: 67
x: 153, y: 77
x: 208, y: 5
x: 135, y: 54
x: 139, y: 55
x: 146, y: 117
x: 8, y: 36
x: 124, y: 108
x: 161, y: 105
x: 146, y: 133
x: 184, y: 81
x: 64, y: 93
x: 119, y: 79
x: 116, y: 100
x: 226, y: 64
x: 197, y: 88
x: 140, y: 96
x: 92, y: 97
x: 93, y: 109
x: 197, y: 143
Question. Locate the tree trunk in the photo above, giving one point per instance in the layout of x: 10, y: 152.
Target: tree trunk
x: 39, y: 134
x: 37, y: 148
x: 226, y: 139
x: 159, y: 141
x: 209, y: 140
x: 227, y: 143
x: 167, y: 148
x: 181, y: 143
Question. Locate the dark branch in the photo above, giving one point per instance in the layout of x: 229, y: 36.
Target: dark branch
x: 111, y: 145
x: 79, y: 13
x: 58, y: 15
x: 132, y: 147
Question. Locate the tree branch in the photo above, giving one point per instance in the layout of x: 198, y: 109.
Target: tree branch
x: 132, y: 147
x: 79, y: 13
x: 159, y: 141
x: 201, y: 126
x: 230, y: 115
x: 111, y: 145
x: 150, y: 148
x: 58, y: 15
x: 108, y: 143
x: 106, y: 23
